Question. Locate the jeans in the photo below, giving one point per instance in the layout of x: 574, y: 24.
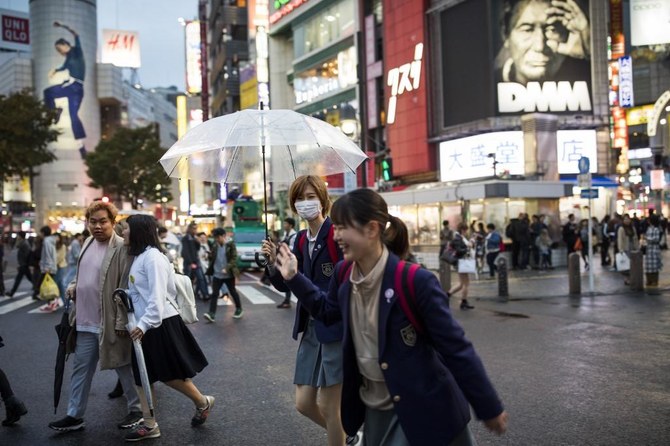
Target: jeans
x: 70, y: 274
x: 491, y: 261
x: 200, y: 282
x: 23, y: 271
x: 86, y: 355
x: 74, y: 94
x: 58, y: 278
x: 216, y: 288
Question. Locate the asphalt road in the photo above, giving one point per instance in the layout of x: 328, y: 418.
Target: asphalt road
x: 589, y: 371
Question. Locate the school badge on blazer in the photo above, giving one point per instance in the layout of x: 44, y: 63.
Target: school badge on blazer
x: 408, y: 336
x: 327, y: 269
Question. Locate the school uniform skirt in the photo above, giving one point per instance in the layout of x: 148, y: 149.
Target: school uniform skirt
x: 170, y: 352
x: 317, y: 364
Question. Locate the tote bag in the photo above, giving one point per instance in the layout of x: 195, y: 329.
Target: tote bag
x: 622, y: 262
x: 467, y: 265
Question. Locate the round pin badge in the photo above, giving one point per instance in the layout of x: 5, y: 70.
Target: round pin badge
x: 388, y: 293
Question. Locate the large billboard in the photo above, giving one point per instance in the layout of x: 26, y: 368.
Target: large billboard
x: 15, y: 29
x: 542, y: 56
x: 649, y: 22
x: 120, y: 48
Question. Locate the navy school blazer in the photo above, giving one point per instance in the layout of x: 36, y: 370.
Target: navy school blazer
x: 318, y: 269
x: 431, y: 378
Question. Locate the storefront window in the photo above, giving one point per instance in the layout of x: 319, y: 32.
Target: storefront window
x: 325, y: 28
x: 326, y: 78
x: 429, y: 225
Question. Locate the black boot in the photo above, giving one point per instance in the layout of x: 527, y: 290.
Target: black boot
x: 15, y: 409
x: 117, y: 392
x: 465, y: 305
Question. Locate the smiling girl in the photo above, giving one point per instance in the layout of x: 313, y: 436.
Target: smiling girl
x: 407, y: 386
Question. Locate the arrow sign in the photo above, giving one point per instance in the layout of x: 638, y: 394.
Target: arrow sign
x: 588, y: 193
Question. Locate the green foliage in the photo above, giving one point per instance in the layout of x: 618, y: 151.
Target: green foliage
x: 126, y: 166
x: 25, y: 132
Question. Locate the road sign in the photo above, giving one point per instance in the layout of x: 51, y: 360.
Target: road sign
x: 584, y: 165
x: 584, y: 180
x: 589, y: 193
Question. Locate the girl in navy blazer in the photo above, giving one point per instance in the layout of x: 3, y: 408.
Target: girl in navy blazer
x: 318, y: 372
x: 407, y: 386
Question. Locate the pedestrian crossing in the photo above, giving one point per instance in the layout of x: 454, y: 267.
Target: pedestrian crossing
x: 251, y: 292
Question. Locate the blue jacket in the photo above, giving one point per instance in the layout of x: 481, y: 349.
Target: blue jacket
x: 431, y: 378
x: 318, y: 269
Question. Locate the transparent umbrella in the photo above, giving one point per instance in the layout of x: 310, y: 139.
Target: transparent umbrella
x: 231, y: 148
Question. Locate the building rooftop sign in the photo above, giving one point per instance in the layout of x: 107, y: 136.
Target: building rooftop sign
x: 283, y: 8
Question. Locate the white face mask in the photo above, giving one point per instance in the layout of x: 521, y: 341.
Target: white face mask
x: 308, y: 209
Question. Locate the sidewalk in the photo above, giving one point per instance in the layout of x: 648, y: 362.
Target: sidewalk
x: 532, y: 284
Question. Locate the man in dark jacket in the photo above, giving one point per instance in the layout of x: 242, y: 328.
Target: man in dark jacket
x: 189, y: 249
x: 522, y: 237
x: 22, y: 257
x: 223, y: 269
x: 570, y: 233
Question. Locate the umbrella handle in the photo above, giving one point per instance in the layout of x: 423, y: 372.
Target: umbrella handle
x: 261, y: 262
x: 127, y: 302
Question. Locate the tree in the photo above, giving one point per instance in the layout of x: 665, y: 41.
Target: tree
x: 126, y: 166
x: 26, y: 131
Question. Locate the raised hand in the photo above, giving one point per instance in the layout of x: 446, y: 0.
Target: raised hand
x: 286, y: 262
x: 572, y: 18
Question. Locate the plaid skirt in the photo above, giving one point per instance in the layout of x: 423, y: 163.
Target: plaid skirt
x: 170, y: 352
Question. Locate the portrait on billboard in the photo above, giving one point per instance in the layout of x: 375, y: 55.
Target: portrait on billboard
x: 544, y: 58
x: 67, y: 82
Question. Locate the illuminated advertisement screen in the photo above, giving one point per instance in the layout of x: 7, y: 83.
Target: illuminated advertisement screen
x: 649, y: 22
x: 193, y: 54
x: 542, y: 56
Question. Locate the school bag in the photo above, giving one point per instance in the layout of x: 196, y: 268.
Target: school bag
x: 185, y: 299
x: 403, y: 286
x: 330, y: 242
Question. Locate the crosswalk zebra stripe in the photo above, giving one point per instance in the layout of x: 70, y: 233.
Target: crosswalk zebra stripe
x: 15, y: 305
x: 254, y: 296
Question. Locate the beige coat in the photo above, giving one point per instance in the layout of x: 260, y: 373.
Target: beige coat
x: 115, y: 351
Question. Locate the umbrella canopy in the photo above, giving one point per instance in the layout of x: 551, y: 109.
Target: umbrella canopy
x: 229, y: 148
x: 63, y: 329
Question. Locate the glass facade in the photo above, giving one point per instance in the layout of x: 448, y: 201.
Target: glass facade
x: 326, y: 27
x: 330, y: 76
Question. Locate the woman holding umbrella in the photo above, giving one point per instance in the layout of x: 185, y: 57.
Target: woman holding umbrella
x: 318, y: 370
x: 171, y: 353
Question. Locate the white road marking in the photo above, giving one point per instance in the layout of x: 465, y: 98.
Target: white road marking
x: 254, y: 296
x: 4, y: 309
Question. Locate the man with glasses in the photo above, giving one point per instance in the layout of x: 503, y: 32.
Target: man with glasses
x: 100, y: 327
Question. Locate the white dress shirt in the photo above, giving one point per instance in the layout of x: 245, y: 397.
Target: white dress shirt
x: 151, y: 282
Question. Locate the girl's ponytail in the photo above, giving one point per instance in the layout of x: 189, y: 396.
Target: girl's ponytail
x: 396, y: 237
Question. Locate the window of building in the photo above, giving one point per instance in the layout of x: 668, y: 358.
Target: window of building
x: 325, y: 28
x: 326, y: 78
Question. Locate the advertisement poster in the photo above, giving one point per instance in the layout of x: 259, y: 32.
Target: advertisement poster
x: 120, y: 48
x: 543, y: 58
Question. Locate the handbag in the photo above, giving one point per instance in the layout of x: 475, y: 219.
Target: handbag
x: 185, y: 299
x: 48, y: 289
x: 622, y: 261
x: 578, y: 245
x: 467, y: 265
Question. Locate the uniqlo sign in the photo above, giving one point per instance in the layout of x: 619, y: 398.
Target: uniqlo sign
x: 15, y: 29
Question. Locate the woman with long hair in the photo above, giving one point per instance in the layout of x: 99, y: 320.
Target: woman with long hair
x: 171, y: 353
x: 461, y: 237
x: 652, y: 257
x: 627, y: 241
x: 318, y: 370
x: 404, y: 385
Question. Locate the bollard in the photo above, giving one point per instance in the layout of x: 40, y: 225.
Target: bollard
x: 445, y: 276
x: 636, y: 271
x: 503, y: 289
x: 574, y: 275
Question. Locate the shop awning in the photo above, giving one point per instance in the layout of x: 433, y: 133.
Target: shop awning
x: 597, y: 180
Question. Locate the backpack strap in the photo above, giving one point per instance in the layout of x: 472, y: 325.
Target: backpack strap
x: 344, y: 271
x: 404, y: 285
x: 302, y: 238
x: 332, y: 247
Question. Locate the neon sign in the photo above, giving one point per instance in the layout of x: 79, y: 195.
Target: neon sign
x: 287, y: 7
x: 404, y: 78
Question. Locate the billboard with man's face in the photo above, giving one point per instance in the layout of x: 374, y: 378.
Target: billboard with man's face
x: 543, y: 56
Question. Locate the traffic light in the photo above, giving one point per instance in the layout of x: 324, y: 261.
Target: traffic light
x: 387, y: 169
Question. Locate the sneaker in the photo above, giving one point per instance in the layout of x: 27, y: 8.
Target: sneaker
x: 465, y: 305
x: 142, y: 432
x: 201, y: 414
x: 131, y: 420
x: 351, y: 441
x: 67, y: 424
x: 209, y: 317
x: 15, y: 409
x: 284, y: 305
x: 238, y: 313
x: 49, y: 308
